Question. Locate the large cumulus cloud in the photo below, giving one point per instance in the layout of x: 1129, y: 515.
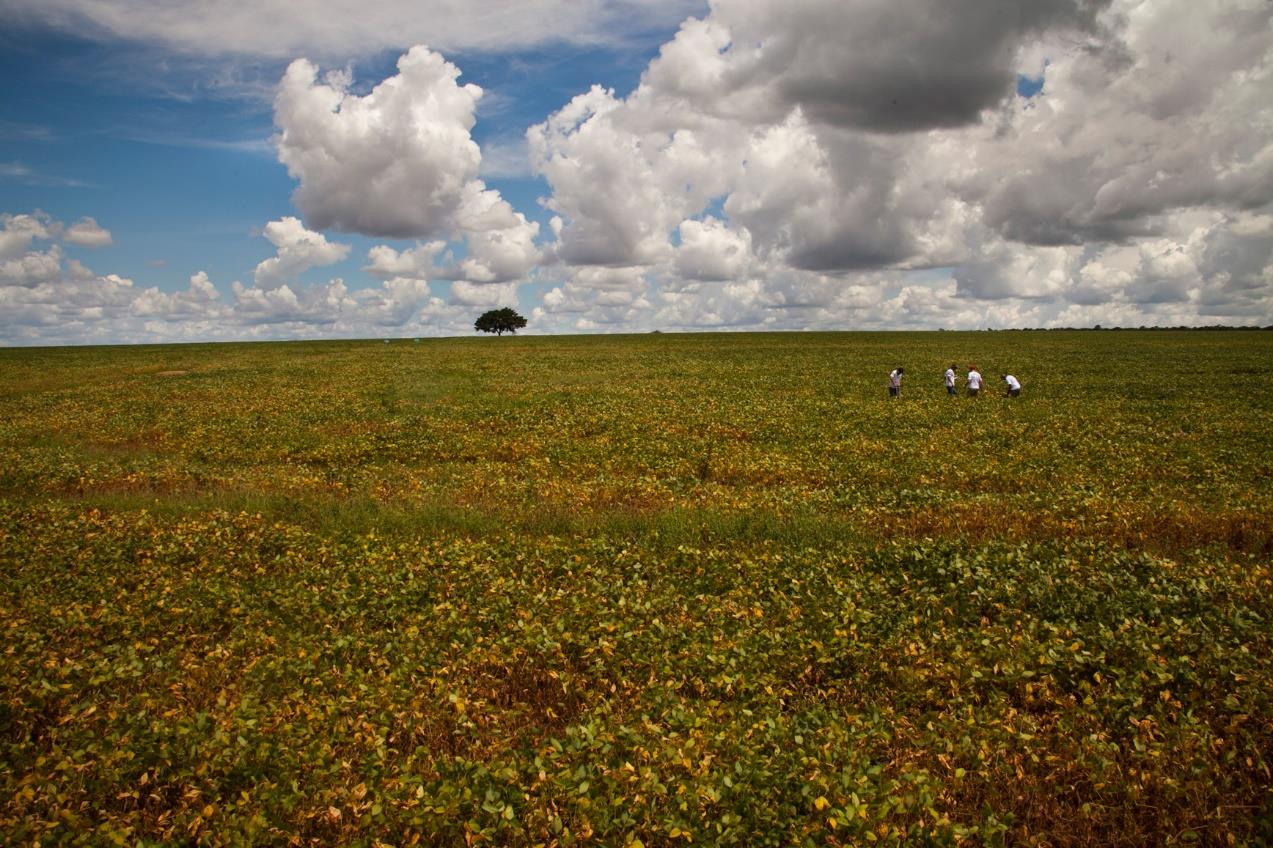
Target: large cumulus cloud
x: 886, y: 65
x: 399, y: 162
x: 858, y: 143
x: 1165, y: 117
x: 392, y: 163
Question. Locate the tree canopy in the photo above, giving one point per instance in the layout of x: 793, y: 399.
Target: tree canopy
x: 499, y: 322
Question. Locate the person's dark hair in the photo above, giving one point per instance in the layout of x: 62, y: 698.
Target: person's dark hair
x: 901, y: 370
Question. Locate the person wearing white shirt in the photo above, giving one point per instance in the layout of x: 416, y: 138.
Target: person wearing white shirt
x: 974, y: 381
x: 950, y: 379
x: 1014, y: 385
x: 895, y: 382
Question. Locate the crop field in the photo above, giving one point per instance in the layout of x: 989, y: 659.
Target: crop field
x: 660, y: 590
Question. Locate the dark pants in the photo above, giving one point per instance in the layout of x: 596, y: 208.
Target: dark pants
x: 894, y: 391
x: 950, y: 390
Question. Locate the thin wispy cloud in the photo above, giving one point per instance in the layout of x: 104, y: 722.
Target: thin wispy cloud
x: 506, y: 157
x: 14, y: 131
x: 259, y: 146
x: 324, y: 29
x: 18, y: 172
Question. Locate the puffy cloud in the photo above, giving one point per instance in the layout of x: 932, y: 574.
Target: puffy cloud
x: 393, y: 162
x: 825, y: 200
x: 199, y: 302
x: 710, y: 250
x: 880, y: 65
x: 313, y: 305
x: 416, y: 262
x: 464, y: 293
x: 299, y: 250
x: 394, y: 304
x: 494, y: 256
x: 32, y: 268
x: 596, y: 297
x: 86, y: 233
x: 1007, y: 270
x: 22, y: 266
x: 400, y: 162
x: 624, y: 174
x: 80, y: 309
x: 500, y: 241
x: 45, y: 299
x: 1156, y: 120
x: 20, y: 230
x: 815, y: 143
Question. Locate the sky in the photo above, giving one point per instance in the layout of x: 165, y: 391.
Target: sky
x: 278, y: 169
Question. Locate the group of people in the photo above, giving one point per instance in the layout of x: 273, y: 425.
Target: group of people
x: 973, y: 382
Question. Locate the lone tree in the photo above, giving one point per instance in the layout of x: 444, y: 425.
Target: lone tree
x: 499, y: 322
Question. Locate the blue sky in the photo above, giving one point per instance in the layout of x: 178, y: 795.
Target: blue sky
x: 823, y: 164
x: 184, y: 176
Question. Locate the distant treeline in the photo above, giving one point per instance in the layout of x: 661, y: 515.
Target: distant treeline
x: 1099, y: 327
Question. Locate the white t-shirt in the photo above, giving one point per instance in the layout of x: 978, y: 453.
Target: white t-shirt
x: 894, y: 379
x: 950, y: 376
x: 1012, y: 382
x: 974, y: 379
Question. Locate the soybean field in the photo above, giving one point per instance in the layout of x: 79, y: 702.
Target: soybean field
x: 656, y: 590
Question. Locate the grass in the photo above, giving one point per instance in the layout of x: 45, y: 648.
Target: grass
x: 711, y: 589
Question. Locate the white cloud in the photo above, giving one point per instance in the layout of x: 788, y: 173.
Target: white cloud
x: 19, y: 172
x: 46, y: 300
x: 400, y: 162
x: 298, y: 249
x: 710, y: 250
x: 32, y: 268
x: 394, y: 162
x: 416, y: 262
x: 86, y: 233
x: 625, y: 174
x: 199, y: 302
x: 500, y: 241
x: 395, y: 303
x: 464, y: 293
x: 20, y: 230
x: 316, y: 305
x: 879, y: 65
x: 841, y: 137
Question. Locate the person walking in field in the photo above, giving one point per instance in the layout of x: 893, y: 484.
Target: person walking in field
x: 950, y: 380
x: 974, y: 381
x: 895, y: 382
x: 1014, y: 385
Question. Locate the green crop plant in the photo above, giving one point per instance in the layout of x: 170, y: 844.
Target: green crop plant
x: 660, y: 590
